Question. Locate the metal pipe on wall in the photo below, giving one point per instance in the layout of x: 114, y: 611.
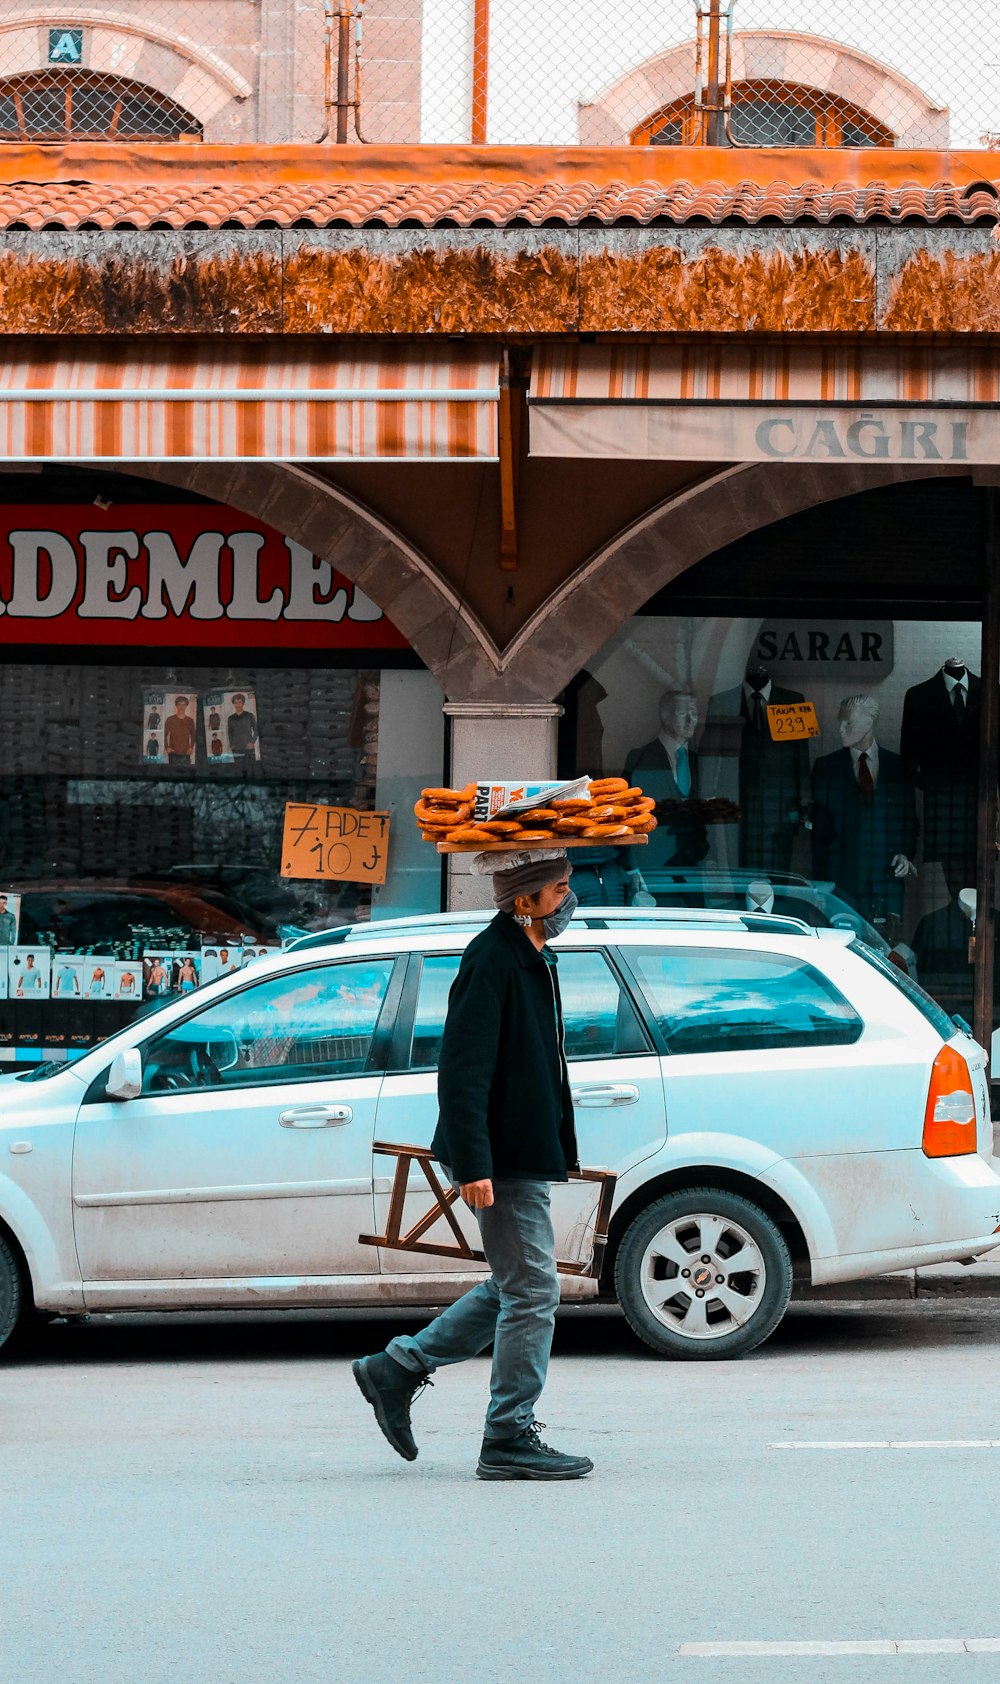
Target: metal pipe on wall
x: 989, y: 799
x: 480, y: 71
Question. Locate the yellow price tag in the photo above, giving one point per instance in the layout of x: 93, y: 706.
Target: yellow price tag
x: 341, y: 843
x: 791, y: 721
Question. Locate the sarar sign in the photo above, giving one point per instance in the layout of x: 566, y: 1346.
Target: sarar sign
x: 860, y: 651
x: 173, y: 575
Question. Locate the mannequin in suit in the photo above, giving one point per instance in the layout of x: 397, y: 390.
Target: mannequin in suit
x: 864, y: 816
x: 769, y: 779
x: 939, y: 743
x: 667, y: 769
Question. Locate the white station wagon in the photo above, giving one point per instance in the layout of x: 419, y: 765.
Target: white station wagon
x: 775, y: 1101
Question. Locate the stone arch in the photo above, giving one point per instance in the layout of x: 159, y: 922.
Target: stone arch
x: 404, y: 583
x: 829, y: 67
x: 119, y: 43
x: 576, y: 620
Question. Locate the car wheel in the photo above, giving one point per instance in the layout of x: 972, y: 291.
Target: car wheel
x: 703, y: 1274
x: 11, y: 1291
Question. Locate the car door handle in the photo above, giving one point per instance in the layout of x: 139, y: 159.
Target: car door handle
x: 315, y: 1116
x: 610, y: 1093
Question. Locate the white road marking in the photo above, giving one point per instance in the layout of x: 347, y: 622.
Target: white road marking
x: 888, y: 1444
x: 865, y: 1646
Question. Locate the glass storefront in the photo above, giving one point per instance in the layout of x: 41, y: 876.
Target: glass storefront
x: 143, y: 788
x: 823, y: 767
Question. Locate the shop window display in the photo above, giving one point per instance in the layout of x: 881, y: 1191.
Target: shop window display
x: 141, y: 813
x: 822, y: 769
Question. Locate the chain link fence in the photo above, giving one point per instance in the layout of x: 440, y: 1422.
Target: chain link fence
x: 859, y: 73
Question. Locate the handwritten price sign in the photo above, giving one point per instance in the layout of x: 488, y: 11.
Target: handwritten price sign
x: 340, y: 843
x: 791, y: 721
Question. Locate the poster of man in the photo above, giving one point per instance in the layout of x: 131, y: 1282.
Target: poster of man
x: 169, y: 727
x: 157, y: 968
x: 68, y: 976
x: 127, y: 979
x: 98, y: 978
x: 221, y: 960
x: 185, y: 973
x: 10, y: 917
x: 29, y: 971
x: 232, y: 736
x: 252, y: 952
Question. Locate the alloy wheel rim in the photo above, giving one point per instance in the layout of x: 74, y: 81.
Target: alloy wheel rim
x: 703, y: 1276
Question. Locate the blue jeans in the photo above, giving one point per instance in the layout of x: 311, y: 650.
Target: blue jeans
x: 514, y: 1310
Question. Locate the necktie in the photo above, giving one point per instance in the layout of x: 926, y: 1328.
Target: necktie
x: 866, y: 783
x: 958, y: 702
x: 757, y: 712
x: 682, y: 776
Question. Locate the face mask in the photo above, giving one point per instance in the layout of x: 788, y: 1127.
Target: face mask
x: 558, y: 920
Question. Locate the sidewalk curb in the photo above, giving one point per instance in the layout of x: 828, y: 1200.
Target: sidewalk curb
x: 943, y: 1280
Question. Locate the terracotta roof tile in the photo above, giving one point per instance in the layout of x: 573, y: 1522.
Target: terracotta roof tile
x: 89, y: 204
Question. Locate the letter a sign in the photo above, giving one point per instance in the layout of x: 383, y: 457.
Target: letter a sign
x: 65, y: 46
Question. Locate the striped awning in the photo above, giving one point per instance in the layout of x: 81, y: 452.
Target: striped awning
x: 325, y: 404
x: 733, y: 403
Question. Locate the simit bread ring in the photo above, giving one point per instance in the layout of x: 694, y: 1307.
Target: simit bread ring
x: 572, y: 804
x: 431, y: 812
x: 574, y: 825
x: 607, y: 830
x: 538, y: 833
x: 447, y: 796
x: 470, y: 833
x: 644, y: 804
x: 642, y: 827
x: 538, y: 815
x: 499, y: 827
x: 603, y: 787
x: 598, y: 814
x: 633, y: 794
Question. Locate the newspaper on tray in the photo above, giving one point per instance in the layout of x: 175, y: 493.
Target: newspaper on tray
x: 498, y: 800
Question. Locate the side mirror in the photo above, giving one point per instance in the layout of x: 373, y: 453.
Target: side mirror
x: 125, y: 1075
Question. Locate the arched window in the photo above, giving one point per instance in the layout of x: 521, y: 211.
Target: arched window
x: 770, y: 114
x: 80, y: 105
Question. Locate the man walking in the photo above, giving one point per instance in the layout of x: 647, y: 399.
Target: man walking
x: 505, y: 1133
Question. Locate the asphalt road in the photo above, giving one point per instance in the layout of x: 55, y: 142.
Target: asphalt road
x: 210, y: 1501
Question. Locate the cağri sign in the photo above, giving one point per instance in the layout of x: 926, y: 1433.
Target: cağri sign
x: 173, y: 575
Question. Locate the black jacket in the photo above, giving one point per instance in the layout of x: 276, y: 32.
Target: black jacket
x: 854, y: 840
x: 505, y: 1107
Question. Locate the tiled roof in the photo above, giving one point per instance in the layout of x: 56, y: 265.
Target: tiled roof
x: 171, y: 204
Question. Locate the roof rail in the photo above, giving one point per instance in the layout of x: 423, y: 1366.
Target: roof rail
x: 592, y: 918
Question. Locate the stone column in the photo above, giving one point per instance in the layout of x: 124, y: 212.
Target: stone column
x: 495, y: 740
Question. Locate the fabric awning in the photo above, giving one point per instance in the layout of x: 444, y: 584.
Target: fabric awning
x: 744, y: 403
x: 325, y: 404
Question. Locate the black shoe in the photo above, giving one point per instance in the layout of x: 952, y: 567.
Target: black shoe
x: 526, y: 1457
x: 390, y: 1389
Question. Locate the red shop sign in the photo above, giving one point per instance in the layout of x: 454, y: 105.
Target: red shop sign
x: 173, y: 575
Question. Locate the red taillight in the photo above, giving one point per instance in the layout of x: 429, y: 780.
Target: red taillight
x: 950, y: 1117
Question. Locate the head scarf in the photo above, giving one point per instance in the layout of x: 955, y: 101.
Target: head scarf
x: 527, y: 878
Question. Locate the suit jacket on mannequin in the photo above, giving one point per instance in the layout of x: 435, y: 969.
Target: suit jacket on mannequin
x: 854, y: 839
x: 941, y: 754
x: 676, y: 841
x: 769, y: 779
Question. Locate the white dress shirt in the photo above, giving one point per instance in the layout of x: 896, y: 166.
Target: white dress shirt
x: 872, y: 754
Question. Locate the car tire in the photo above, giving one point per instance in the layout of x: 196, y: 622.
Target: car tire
x: 11, y: 1291
x: 689, y: 1237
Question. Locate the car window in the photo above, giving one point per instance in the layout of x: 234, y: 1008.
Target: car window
x: 725, y: 1000
x: 292, y: 1028
x: 928, y: 1008
x: 599, y: 1020
x: 437, y: 973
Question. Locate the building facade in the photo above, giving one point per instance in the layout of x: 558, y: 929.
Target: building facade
x: 332, y: 473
